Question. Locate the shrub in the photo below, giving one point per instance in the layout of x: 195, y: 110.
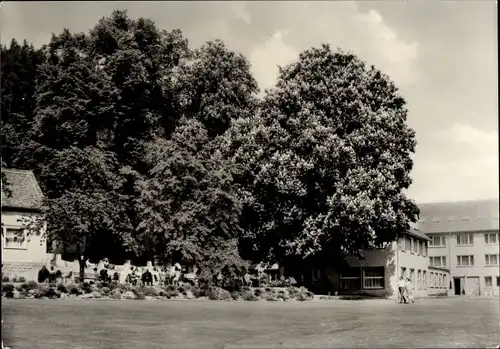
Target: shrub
x: 151, y: 291
x: 116, y: 296
x: 19, y: 288
x: 270, y: 297
x: 249, y: 296
x: 74, y: 290
x: 5, y: 278
x: 197, y: 292
x: 7, y: 288
x: 14, y: 279
x: 32, y: 285
x: 258, y: 292
x: 235, y: 295
x: 105, y: 291
x: 86, y: 287
x: 21, y: 279
x: 62, y: 288
x: 139, y: 295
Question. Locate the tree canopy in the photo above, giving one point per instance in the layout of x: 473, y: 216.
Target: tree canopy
x: 147, y: 146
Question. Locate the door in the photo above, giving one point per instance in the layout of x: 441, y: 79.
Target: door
x: 472, y: 286
x: 456, y: 284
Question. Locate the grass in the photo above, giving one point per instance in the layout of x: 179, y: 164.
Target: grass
x: 447, y: 323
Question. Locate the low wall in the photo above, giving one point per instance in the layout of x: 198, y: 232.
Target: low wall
x: 28, y: 270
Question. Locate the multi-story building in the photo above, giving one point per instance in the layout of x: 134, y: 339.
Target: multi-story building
x: 464, y: 239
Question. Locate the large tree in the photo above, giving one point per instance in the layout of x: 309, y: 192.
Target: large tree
x: 188, y: 205
x: 324, y: 164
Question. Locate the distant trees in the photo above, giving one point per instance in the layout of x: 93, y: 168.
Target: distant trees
x: 150, y: 147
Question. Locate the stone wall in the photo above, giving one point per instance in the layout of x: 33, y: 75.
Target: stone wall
x: 28, y: 270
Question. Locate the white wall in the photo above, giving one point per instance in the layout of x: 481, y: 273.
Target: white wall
x: 36, y: 247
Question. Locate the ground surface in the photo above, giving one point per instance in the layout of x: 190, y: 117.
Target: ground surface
x: 455, y: 322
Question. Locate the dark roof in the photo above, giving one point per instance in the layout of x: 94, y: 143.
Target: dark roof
x: 460, y: 216
x: 24, y: 188
x: 417, y: 233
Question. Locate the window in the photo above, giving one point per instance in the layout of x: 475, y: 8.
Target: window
x: 350, y: 279
x: 425, y: 249
x: 443, y: 281
x: 488, y: 281
x: 407, y: 244
x: 403, y: 272
x: 498, y: 281
x: 419, y: 279
x: 373, y: 277
x: 316, y: 275
x: 491, y: 238
x: 437, y: 241
x: 431, y: 279
x: 401, y: 243
x: 491, y: 259
x: 437, y: 261
x: 424, y: 279
x: 15, y: 238
x: 415, y: 246
x: 412, y: 276
x: 465, y: 261
x: 465, y: 239
x: 421, y: 248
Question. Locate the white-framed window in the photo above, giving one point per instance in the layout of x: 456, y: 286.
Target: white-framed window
x: 491, y: 259
x: 439, y: 261
x: 15, y: 238
x: 412, y: 277
x: 415, y: 243
x: 465, y: 239
x: 350, y: 279
x: 431, y: 279
x: 465, y: 261
x: 424, y: 279
x: 421, y: 248
x: 491, y: 238
x: 437, y: 241
x: 403, y: 272
x: 419, y: 279
x: 373, y: 278
x: 488, y: 281
x: 407, y: 244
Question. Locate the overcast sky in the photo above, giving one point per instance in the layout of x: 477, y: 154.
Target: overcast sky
x: 441, y: 54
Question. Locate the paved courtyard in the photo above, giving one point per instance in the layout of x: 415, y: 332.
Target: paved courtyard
x: 455, y: 322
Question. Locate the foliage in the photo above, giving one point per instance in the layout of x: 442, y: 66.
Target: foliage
x: 7, y: 287
x: 324, y: 164
x: 5, y: 278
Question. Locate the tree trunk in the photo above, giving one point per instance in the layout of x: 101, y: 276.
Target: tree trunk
x: 81, y: 262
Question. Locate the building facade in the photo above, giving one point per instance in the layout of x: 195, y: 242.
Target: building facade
x: 24, y: 251
x: 465, y: 240
x: 378, y: 273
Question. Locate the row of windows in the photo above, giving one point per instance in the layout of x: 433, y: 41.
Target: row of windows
x: 408, y: 244
x: 463, y: 240
x: 433, y: 280
x: 464, y: 261
x: 367, y: 278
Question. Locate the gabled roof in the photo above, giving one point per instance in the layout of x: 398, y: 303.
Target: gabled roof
x: 24, y: 188
x: 459, y: 216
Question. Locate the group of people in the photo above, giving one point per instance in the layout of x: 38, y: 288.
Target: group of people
x: 405, y: 291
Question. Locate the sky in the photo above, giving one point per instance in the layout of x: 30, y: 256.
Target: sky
x: 442, y: 55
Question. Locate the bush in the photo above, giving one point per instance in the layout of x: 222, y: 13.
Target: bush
x: 258, y: 292
x: 151, y: 291
x: 5, y: 278
x: 235, y: 295
x: 21, y: 279
x: 216, y: 293
x: 74, y: 290
x: 19, y: 288
x: 62, y: 288
x: 86, y: 287
x: 116, y: 296
x: 271, y: 297
x: 105, y: 291
x: 249, y: 296
x: 139, y: 295
x: 197, y: 292
x: 7, y: 288
x: 32, y: 285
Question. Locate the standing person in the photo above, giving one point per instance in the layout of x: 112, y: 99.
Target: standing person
x: 401, y: 288
x: 409, y: 289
